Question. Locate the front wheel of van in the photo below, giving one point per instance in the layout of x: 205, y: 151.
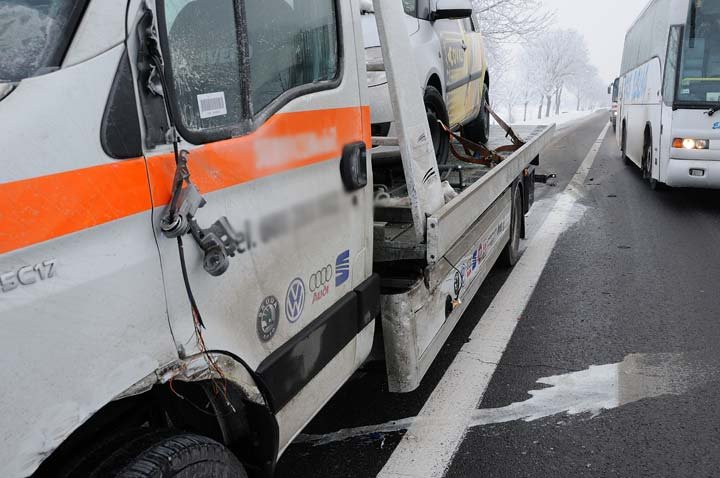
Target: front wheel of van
x: 169, y: 454
x: 437, y: 111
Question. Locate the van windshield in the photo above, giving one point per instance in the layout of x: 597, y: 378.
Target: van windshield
x: 700, y: 74
x: 34, y: 35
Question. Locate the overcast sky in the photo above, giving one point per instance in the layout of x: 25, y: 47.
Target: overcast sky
x: 604, y: 23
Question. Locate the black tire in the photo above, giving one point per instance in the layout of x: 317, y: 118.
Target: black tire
x: 511, y: 254
x: 478, y: 130
x: 169, y: 454
x: 623, y: 147
x: 437, y: 110
x: 647, y: 159
x: 647, y: 165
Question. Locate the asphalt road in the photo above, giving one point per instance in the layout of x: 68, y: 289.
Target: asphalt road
x: 630, y: 288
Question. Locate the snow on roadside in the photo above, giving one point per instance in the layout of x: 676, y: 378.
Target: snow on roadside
x: 562, y: 118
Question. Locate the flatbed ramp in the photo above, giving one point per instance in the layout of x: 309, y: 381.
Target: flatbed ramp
x: 477, y: 187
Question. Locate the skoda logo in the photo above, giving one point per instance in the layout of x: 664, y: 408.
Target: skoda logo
x: 267, y: 318
x: 295, y: 300
x: 321, y: 278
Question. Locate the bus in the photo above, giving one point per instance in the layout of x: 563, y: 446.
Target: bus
x: 669, y: 95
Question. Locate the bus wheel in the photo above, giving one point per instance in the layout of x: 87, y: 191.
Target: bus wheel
x: 647, y: 166
x: 168, y: 454
x: 511, y: 253
x: 623, y: 148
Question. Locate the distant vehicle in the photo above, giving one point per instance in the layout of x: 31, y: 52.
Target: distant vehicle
x: 669, y: 94
x: 449, y: 54
x: 614, y: 90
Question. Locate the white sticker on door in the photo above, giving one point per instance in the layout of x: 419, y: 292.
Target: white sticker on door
x: 212, y: 104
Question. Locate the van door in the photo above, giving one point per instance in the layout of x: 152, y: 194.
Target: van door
x: 457, y: 64
x: 266, y: 97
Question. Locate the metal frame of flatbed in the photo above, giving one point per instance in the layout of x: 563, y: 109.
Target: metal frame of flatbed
x: 415, y: 319
x: 471, y: 229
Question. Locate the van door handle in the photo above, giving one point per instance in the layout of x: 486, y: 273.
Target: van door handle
x: 464, y: 45
x: 353, y: 166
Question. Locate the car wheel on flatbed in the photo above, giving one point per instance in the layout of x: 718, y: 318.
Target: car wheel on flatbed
x: 478, y: 130
x: 437, y: 110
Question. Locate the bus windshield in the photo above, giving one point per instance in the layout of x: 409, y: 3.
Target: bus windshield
x: 34, y: 35
x: 700, y: 73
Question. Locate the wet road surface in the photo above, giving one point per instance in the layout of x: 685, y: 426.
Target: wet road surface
x: 613, y: 366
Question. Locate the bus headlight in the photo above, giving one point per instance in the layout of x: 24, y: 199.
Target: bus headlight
x: 691, y: 143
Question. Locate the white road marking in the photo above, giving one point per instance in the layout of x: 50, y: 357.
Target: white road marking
x: 425, y: 452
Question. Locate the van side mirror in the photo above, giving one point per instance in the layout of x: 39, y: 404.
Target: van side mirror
x: 452, y: 9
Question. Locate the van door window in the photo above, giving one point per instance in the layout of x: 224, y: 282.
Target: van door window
x: 292, y: 43
x: 203, y: 56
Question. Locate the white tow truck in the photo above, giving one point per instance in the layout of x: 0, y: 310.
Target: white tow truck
x: 196, y: 248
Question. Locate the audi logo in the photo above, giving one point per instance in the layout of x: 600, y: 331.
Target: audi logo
x: 320, y: 278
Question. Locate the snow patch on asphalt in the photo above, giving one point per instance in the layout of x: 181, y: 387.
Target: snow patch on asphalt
x: 590, y: 391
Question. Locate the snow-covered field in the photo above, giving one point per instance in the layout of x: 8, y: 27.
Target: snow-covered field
x: 562, y: 118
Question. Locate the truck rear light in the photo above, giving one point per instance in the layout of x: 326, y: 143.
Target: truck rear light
x: 690, y: 143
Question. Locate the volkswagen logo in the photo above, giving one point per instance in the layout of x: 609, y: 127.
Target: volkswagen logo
x: 295, y: 300
x: 320, y: 278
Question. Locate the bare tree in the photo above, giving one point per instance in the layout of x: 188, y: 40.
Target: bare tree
x: 556, y: 57
x: 527, y: 82
x: 511, y: 20
x: 587, y: 86
x: 503, y: 22
x: 500, y: 65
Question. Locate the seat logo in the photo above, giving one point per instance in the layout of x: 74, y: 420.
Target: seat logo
x: 342, y: 268
x: 295, y: 300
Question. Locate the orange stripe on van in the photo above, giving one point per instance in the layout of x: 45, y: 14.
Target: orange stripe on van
x: 38, y: 209
x: 285, y: 142
x: 43, y: 208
